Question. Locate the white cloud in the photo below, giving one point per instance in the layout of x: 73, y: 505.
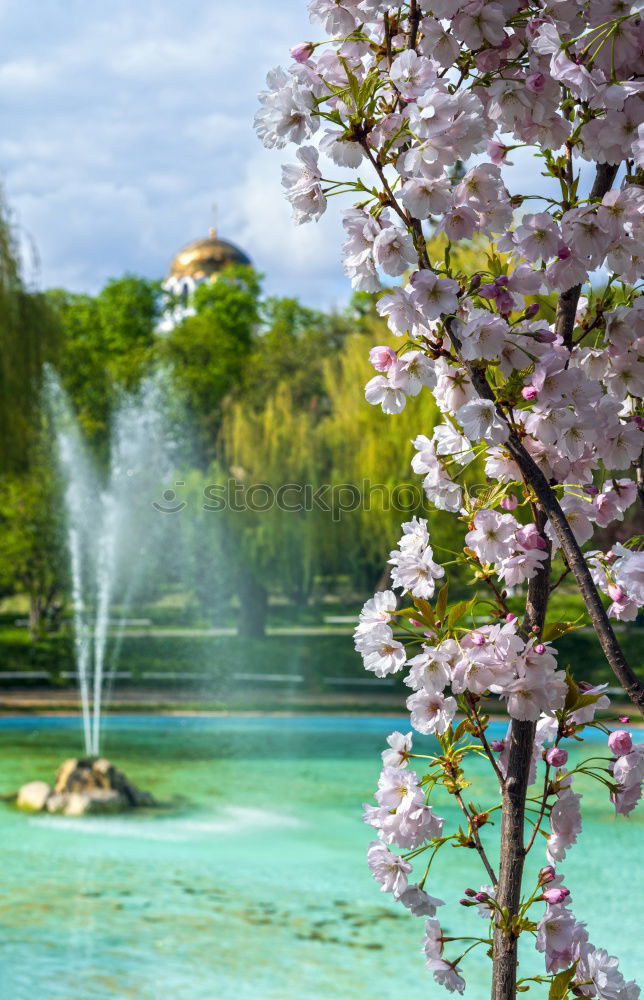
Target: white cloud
x: 123, y: 126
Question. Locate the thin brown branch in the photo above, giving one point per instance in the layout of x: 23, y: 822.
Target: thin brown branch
x: 476, y: 839
x: 569, y: 300
x: 544, y: 799
x: 483, y: 738
x: 414, y: 21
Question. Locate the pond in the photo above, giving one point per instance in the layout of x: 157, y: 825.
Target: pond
x: 255, y: 884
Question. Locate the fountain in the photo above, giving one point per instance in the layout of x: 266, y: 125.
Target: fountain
x: 110, y: 531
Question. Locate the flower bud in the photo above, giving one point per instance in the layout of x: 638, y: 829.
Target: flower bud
x: 498, y: 746
x: 470, y: 892
x: 481, y: 897
x: 510, y: 618
x: 477, y: 639
x: 302, y: 52
x: 545, y: 336
x: 540, y: 649
x: 465, y: 902
x: 474, y: 283
x: 546, y: 875
x: 623, y: 718
x: 532, y: 310
x: 616, y: 594
x: 382, y: 358
x: 509, y: 503
x: 591, y: 490
x: 529, y: 393
x: 556, y: 756
x: 535, y: 82
x: 620, y: 742
x: 556, y: 895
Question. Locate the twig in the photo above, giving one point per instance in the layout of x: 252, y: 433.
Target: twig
x: 541, y: 810
x: 476, y: 838
x: 483, y: 739
x: 569, y: 300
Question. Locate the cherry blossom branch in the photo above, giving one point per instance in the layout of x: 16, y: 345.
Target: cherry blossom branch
x: 547, y: 500
x: 550, y: 506
x: 569, y: 300
x: 514, y: 793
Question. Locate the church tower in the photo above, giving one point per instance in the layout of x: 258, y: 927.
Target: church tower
x: 199, y: 261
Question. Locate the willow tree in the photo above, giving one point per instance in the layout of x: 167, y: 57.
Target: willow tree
x: 29, y: 334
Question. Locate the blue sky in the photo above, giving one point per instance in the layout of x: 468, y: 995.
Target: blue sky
x: 124, y: 121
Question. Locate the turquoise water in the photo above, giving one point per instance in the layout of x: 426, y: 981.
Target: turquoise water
x: 255, y: 884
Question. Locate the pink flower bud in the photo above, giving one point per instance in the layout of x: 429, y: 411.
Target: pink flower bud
x: 620, y: 742
x: 540, y: 649
x: 415, y: 622
x: 616, y: 594
x: 481, y: 897
x: 475, y: 283
x: 532, y: 310
x: 535, y: 82
x: 529, y: 393
x: 556, y: 895
x: 382, y: 358
x: 564, y: 252
x: 510, y: 618
x: 585, y: 686
x: 470, y: 892
x: 302, y: 52
x: 498, y: 152
x: 623, y: 718
x: 546, y: 875
x: 510, y: 502
x: 592, y: 491
x: 498, y: 746
x: 477, y: 639
x: 465, y: 902
x: 545, y: 336
x: 529, y: 538
x: 556, y: 757
x: 504, y: 301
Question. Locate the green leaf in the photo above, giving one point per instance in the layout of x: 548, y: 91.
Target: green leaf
x: 560, y: 983
x: 441, y: 603
x: 426, y: 610
x: 458, y: 610
x: 557, y: 629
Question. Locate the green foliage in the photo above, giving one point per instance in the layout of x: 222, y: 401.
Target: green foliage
x: 208, y: 352
x: 108, y: 344
x: 31, y: 536
x: 29, y: 334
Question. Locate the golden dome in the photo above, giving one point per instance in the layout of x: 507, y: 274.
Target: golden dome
x: 206, y: 258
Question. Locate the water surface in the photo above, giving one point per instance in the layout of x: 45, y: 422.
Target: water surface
x: 254, y: 885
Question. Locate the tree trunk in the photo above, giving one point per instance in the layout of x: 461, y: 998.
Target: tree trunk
x: 35, y: 617
x: 253, y: 607
x: 512, y: 856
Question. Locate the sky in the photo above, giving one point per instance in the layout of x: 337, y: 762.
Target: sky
x: 125, y: 121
